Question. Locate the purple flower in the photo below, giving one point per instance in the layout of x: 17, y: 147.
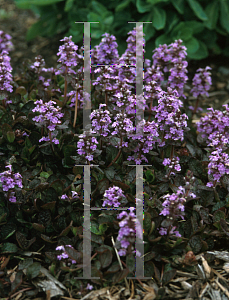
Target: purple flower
x: 49, y: 116
x: 5, y: 73
x: 201, y: 82
x: 100, y: 120
x: 87, y: 145
x: 218, y: 165
x: 5, y: 43
x: 112, y: 196
x: 107, y: 50
x: 89, y: 287
x: 10, y: 180
x: 126, y: 234
x: 68, y: 56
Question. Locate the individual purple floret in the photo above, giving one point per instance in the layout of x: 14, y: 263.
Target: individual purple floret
x: 201, y: 82
x: 89, y: 287
x: 10, y: 180
x: 173, y: 165
x: 64, y: 255
x: 218, y: 166
x: 5, y: 43
x: 112, y: 196
x: 107, y: 50
x: 100, y: 120
x: 126, y: 234
x: 87, y: 144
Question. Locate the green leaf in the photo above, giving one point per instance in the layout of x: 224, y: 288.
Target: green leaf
x: 26, y: 4
x: 35, y: 30
x: 159, y: 18
x: 33, y: 270
x: 196, y: 26
x: 198, y: 10
x: 201, y: 53
x: 98, y: 7
x: 10, y: 136
x: 68, y: 5
x: 163, y: 39
x: 192, y: 45
x: 122, y: 5
x: 212, y: 11
x: 130, y: 262
x: 105, y: 258
x: 109, y: 20
x: 153, y: 2
x: 102, y: 228
x: 8, y: 248
x: 179, y: 5
x: 224, y: 15
x: 172, y: 20
x: 46, y: 174
x: 142, y: 7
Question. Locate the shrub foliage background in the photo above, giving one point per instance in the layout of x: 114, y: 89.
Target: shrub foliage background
x: 202, y: 25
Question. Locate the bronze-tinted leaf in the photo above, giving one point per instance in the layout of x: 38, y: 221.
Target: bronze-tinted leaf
x: 17, y: 282
x: 122, y: 185
x: 103, y: 185
x: 66, y: 230
x: 168, y: 276
x: 47, y: 239
x: 113, y: 268
x: 38, y: 227
x: 120, y: 275
x: 196, y: 243
x: 23, y: 242
x: 50, y: 205
x: 33, y: 270
x: 105, y: 258
x: 224, y: 226
x: 74, y: 254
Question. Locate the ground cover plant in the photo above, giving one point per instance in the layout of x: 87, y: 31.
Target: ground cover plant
x: 42, y: 145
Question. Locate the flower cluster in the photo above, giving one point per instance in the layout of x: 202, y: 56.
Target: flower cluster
x: 173, y: 165
x: 112, y: 196
x: 214, y: 128
x: 5, y: 73
x: 48, y: 116
x: 5, y: 43
x: 126, y: 234
x: 218, y: 166
x: 146, y: 142
x: 201, y: 82
x: 87, y: 144
x: 107, y: 50
x: 68, y: 56
x: 10, y: 181
x: 169, y: 116
x: 74, y: 196
x: 64, y: 255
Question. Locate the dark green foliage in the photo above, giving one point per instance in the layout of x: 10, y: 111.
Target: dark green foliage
x: 200, y: 24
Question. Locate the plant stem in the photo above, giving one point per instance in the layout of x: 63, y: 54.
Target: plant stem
x: 76, y: 104
x: 196, y: 106
x: 117, y: 156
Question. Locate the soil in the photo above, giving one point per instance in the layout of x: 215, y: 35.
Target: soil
x: 17, y: 21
